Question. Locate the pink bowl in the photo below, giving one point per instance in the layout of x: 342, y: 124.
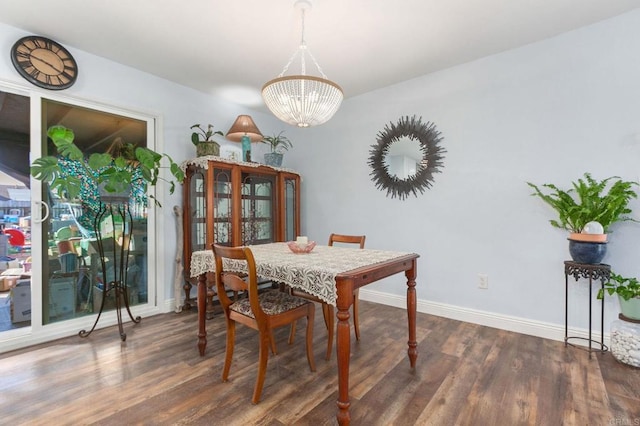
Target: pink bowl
x: 298, y: 249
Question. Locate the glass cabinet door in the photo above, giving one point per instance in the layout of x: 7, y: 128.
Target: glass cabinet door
x: 222, y: 198
x: 258, y: 224
x: 291, y: 207
x: 198, y: 210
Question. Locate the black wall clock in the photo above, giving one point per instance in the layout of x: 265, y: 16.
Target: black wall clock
x: 44, y: 62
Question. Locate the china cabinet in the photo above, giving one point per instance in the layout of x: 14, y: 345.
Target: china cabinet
x: 236, y: 203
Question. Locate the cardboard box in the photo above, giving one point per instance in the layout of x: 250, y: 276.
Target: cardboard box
x: 4, y: 245
x: 139, y: 242
x: 110, y: 303
x: 62, y: 298
x: 9, y: 264
x: 5, y: 314
x: 8, y: 282
x: 21, y: 301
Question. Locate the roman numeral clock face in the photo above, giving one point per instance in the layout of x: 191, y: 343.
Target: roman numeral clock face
x: 44, y: 62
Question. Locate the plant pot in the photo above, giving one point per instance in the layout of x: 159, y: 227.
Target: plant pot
x: 625, y: 341
x: 273, y: 159
x: 593, y: 238
x: 207, y: 148
x: 65, y: 246
x: 630, y: 308
x: 587, y: 252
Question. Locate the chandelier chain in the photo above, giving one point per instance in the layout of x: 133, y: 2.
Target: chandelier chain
x: 302, y: 40
x: 302, y: 50
x: 302, y: 100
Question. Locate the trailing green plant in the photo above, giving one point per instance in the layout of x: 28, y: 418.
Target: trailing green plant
x: 605, y: 201
x: 201, y: 135
x: 278, y: 143
x: 627, y: 288
x: 114, y: 172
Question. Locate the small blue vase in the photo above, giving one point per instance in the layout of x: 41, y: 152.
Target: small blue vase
x: 586, y: 251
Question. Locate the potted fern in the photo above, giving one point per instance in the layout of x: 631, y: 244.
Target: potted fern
x: 587, y: 210
x: 203, y: 141
x: 278, y: 144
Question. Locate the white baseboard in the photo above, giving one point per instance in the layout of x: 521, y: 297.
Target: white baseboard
x: 170, y: 306
x: 27, y: 336
x: 541, y: 329
x: 490, y: 319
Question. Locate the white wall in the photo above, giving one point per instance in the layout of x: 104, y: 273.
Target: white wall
x: 545, y: 113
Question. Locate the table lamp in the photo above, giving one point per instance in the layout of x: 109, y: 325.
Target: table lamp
x: 244, y: 130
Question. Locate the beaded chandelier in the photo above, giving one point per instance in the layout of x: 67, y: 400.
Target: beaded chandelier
x: 302, y: 100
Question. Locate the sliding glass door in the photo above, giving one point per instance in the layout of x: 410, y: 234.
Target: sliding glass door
x: 73, y: 278
x: 48, y: 245
x: 15, y: 212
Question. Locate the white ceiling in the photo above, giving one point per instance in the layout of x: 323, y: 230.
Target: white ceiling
x: 232, y: 47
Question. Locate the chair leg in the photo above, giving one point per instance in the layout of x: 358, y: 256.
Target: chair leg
x: 292, y: 332
x: 330, y: 320
x: 263, y: 357
x: 310, y: 314
x: 325, y: 314
x: 274, y: 350
x: 231, y: 337
x: 356, y: 314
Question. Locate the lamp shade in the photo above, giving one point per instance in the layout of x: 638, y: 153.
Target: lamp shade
x: 244, y: 126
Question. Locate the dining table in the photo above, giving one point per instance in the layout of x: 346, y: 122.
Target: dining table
x: 332, y: 274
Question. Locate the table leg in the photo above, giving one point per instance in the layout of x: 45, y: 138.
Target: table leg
x: 566, y: 308
x: 602, y: 316
x: 590, y: 293
x: 202, y: 308
x: 187, y: 295
x: 412, y: 307
x: 343, y: 349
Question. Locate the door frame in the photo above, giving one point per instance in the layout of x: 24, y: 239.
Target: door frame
x: 37, y: 332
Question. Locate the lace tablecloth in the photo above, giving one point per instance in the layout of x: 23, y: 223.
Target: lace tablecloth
x: 313, y: 272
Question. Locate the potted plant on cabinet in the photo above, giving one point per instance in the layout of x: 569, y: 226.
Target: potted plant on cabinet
x: 587, y: 210
x: 278, y: 144
x: 107, y: 186
x: 201, y: 138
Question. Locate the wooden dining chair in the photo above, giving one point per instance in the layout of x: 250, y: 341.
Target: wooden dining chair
x: 327, y: 310
x: 262, y: 311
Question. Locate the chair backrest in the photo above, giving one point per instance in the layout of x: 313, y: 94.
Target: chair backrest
x: 232, y: 281
x: 347, y: 239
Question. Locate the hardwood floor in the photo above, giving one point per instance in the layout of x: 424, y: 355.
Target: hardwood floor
x: 466, y: 374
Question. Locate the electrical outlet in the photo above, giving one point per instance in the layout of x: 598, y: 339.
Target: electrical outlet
x: 483, y: 281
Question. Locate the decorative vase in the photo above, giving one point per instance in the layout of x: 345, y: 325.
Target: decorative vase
x: 587, y: 252
x: 625, y: 341
x: 273, y: 159
x: 630, y: 308
x: 207, y: 148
